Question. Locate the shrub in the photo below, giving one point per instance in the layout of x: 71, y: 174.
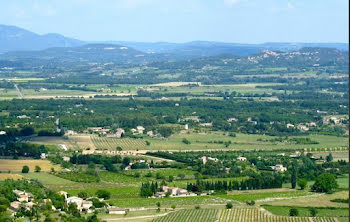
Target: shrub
x: 82, y: 194
x: 250, y: 203
x: 37, y: 169
x: 25, y: 169
x: 313, y: 211
x: 229, y: 205
x: 103, y: 194
x: 293, y: 212
x: 186, y: 141
x: 302, y: 183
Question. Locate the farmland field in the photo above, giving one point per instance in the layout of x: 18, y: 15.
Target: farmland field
x: 202, y: 141
x: 235, y: 214
x: 319, y: 200
x: 190, y: 215
x: 46, y: 178
x: 113, y: 143
x: 5, y: 176
x: 16, y: 165
x: 305, y: 212
x: 265, y: 194
x: 199, y: 141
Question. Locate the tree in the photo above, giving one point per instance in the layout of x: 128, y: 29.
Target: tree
x: 329, y: 158
x: 103, y: 194
x: 73, y: 210
x: 165, y: 131
x: 148, y: 143
x: 126, y: 161
x: 294, y: 176
x: 293, y: 212
x: 173, y: 206
x: 229, y: 205
x: 25, y: 169
x: 3, y: 208
x: 326, y: 182
x: 302, y: 183
x: 313, y: 211
x: 119, y: 148
x: 37, y: 169
x: 171, y: 178
x: 82, y: 194
x: 27, y: 131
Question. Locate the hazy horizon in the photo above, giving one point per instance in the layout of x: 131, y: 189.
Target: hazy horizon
x: 231, y: 21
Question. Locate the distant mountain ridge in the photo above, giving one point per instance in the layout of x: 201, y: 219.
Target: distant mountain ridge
x: 206, y: 48
x: 20, y: 40
x: 88, y: 52
x: 13, y: 38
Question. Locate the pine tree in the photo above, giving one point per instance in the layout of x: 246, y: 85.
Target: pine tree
x: 294, y: 176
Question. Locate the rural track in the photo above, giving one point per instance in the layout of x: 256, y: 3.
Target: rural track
x: 19, y: 91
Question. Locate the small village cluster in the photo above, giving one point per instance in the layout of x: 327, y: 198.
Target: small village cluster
x: 27, y: 200
x: 277, y: 167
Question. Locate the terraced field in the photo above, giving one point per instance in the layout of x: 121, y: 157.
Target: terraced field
x: 236, y: 214
x: 113, y: 143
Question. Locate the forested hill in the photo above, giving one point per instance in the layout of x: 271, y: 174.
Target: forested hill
x: 307, y: 56
x: 90, y: 52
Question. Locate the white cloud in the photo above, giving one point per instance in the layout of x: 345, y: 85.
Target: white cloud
x: 44, y: 10
x: 231, y: 2
x: 290, y: 5
x: 127, y: 4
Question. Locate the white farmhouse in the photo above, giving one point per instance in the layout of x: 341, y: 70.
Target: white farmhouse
x: 241, y: 158
x: 279, y: 168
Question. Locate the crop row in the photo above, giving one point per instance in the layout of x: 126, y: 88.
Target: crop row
x: 236, y: 214
x: 113, y: 143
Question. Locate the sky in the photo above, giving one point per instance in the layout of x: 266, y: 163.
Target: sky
x: 241, y: 21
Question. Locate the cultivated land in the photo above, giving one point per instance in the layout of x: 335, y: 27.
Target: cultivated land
x: 232, y: 130
x: 16, y: 165
x: 200, y: 141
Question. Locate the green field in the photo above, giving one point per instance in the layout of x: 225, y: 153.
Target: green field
x: 261, y: 195
x: 201, y: 141
x: 46, y: 178
x: 305, y: 212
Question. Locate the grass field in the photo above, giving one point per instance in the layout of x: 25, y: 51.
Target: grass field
x: 46, y: 178
x: 305, y: 211
x: 201, y: 141
x: 264, y: 194
x: 319, y: 200
x: 16, y: 165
